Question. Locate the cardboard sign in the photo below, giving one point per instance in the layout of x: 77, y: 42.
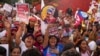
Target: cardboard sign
x: 22, y: 12
x: 7, y: 7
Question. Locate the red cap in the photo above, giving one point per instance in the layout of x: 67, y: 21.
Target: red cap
x: 33, y: 19
x: 37, y: 34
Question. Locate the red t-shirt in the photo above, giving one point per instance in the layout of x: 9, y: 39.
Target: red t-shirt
x: 39, y: 47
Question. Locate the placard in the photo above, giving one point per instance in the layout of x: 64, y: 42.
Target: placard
x: 7, y: 7
x: 22, y: 12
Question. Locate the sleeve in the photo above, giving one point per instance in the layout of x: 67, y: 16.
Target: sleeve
x: 45, y: 51
x: 60, y: 47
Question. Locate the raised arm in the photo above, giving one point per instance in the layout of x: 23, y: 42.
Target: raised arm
x: 19, y: 33
x: 46, y: 37
x: 8, y: 29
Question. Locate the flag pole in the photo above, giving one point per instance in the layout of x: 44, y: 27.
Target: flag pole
x: 42, y: 4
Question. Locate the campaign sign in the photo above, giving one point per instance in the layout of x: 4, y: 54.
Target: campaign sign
x: 22, y: 12
x: 7, y: 7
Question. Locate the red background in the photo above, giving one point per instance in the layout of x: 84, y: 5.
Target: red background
x: 74, y: 4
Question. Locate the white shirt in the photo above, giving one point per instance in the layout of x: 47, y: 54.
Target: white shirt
x: 23, y: 47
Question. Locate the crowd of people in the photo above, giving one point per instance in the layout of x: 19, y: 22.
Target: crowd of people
x: 61, y: 38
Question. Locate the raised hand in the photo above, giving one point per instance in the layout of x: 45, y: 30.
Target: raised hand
x: 7, y: 24
x: 21, y: 24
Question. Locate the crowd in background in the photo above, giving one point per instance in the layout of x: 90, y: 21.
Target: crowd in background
x: 61, y: 38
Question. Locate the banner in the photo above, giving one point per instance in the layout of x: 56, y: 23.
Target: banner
x: 22, y: 12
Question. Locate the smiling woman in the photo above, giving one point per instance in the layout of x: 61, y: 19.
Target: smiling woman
x: 53, y: 48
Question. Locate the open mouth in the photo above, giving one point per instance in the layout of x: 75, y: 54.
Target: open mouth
x: 28, y: 41
x: 53, y: 42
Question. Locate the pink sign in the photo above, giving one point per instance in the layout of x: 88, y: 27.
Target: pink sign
x: 22, y: 12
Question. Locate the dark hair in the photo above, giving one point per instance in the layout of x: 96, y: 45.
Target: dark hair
x: 70, y: 53
x: 69, y: 11
x: 31, y: 52
x: 67, y: 36
x: 27, y: 35
x: 97, y: 52
x: 2, y: 51
x: 56, y: 13
x: 14, y: 48
x: 67, y: 46
x: 55, y: 37
x: 79, y: 43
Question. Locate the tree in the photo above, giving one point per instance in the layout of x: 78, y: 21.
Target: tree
x: 31, y: 1
x: 12, y: 2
